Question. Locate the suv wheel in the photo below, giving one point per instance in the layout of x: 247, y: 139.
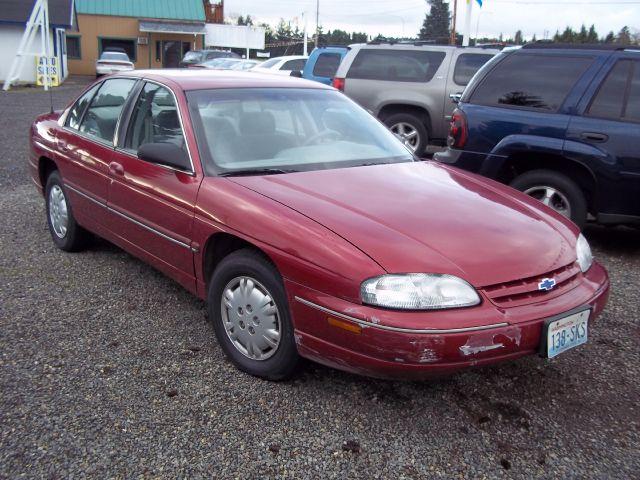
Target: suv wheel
x: 250, y: 313
x: 410, y: 130
x: 556, y: 191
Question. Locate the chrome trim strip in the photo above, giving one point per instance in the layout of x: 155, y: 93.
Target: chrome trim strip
x: 397, y: 329
x: 127, y: 217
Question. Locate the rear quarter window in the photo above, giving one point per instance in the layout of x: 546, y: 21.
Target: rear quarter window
x: 467, y: 65
x: 531, y: 81
x: 395, y: 65
x: 326, y: 65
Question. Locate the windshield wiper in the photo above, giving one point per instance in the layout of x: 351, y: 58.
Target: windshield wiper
x: 255, y: 171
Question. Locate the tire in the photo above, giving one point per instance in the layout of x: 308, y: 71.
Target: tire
x: 541, y: 184
x: 67, y: 234
x: 400, y: 123
x: 247, y: 323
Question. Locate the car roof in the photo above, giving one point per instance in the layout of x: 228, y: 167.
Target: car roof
x: 421, y: 47
x: 200, y: 79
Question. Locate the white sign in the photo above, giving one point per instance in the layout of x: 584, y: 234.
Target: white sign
x: 41, y: 70
x: 234, y: 36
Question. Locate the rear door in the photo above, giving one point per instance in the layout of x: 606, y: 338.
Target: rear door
x: 152, y: 204
x: 608, y: 124
x: 86, y: 145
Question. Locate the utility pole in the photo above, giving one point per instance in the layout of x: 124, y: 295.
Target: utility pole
x: 452, y: 40
x: 317, y: 22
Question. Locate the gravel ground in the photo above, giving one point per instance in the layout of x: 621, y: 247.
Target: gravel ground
x: 109, y: 369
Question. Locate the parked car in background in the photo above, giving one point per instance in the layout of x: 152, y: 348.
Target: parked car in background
x: 407, y: 85
x: 309, y: 229
x: 282, y: 65
x: 322, y: 64
x: 113, y: 61
x: 559, y: 123
x: 219, y: 63
x: 194, y: 57
x: 245, y: 65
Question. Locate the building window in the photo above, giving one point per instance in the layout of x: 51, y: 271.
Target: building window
x: 158, y: 51
x: 119, y: 44
x: 73, y: 48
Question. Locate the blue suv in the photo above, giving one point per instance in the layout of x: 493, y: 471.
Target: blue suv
x: 560, y: 123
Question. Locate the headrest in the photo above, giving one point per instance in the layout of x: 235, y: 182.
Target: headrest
x: 257, y: 123
x: 168, y: 119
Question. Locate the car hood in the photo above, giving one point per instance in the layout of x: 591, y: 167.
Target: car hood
x: 425, y: 217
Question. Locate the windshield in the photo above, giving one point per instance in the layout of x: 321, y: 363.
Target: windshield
x: 287, y: 129
x: 192, y: 56
x: 269, y: 63
x: 122, y: 57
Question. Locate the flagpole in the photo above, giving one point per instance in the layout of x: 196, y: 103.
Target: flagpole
x: 467, y: 24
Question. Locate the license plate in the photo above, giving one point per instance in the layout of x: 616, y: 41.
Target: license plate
x: 567, y: 332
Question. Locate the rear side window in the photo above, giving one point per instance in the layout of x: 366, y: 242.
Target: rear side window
x: 632, y: 111
x: 297, y: 64
x: 395, y: 65
x: 75, y: 114
x: 326, y: 65
x: 102, y: 115
x: 609, y: 101
x: 467, y: 65
x: 536, y: 82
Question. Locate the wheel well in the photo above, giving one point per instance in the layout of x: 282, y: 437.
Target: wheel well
x: 519, y: 163
x: 419, y: 112
x: 218, y: 246
x: 45, y: 167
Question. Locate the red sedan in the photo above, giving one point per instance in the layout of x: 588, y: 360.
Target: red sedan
x: 309, y: 229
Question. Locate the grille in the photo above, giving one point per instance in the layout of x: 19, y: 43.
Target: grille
x: 525, y: 291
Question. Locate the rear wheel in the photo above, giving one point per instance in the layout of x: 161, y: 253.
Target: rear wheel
x: 410, y: 129
x: 65, y: 231
x: 556, y: 191
x: 250, y: 313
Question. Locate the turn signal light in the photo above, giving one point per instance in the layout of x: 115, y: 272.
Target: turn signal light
x: 343, y: 324
x: 458, y: 130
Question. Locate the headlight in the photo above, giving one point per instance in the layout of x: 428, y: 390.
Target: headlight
x: 418, y: 291
x: 583, y: 252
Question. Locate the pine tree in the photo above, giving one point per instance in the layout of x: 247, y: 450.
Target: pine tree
x: 592, y: 36
x: 436, y: 22
x: 610, y: 38
x: 518, y: 40
x: 582, y: 35
x: 624, y: 36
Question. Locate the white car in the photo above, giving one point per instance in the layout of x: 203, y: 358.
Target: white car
x: 113, y: 62
x: 282, y: 65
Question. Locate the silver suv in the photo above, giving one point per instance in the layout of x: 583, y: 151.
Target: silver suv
x: 408, y: 85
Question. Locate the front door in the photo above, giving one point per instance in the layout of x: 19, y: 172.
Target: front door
x: 171, y: 54
x: 610, y: 124
x: 153, y: 205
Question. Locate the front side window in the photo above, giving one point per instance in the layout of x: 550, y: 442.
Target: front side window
x: 467, y: 65
x: 395, y: 65
x: 326, y: 65
x: 154, y: 119
x: 102, y: 116
x: 240, y: 130
x: 532, y: 81
x: 76, y: 112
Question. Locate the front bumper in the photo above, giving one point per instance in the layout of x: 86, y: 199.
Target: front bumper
x: 414, y: 345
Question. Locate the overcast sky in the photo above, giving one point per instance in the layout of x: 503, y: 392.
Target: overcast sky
x: 398, y: 17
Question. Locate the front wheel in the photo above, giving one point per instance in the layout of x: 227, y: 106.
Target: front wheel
x: 250, y: 313
x: 556, y: 191
x: 410, y: 130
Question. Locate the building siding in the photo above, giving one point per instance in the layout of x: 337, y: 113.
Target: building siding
x: 94, y: 27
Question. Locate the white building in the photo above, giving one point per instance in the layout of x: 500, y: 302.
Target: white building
x: 14, y: 15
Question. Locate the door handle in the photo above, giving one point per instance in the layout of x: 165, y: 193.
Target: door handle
x: 116, y: 169
x: 594, y: 137
x: 62, y: 145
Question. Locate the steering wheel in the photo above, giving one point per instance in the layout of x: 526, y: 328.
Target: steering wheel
x: 325, y: 134
x: 91, y: 124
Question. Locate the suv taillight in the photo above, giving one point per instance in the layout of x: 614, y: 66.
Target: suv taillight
x: 458, y: 131
x: 338, y: 83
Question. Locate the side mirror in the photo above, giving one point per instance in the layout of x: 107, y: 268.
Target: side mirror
x: 296, y: 73
x: 455, y: 97
x: 166, y: 154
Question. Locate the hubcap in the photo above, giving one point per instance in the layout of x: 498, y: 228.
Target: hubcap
x: 551, y: 197
x: 408, y: 134
x: 58, y: 213
x: 250, y: 317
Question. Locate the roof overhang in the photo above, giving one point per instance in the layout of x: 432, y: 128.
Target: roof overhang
x: 159, y: 26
